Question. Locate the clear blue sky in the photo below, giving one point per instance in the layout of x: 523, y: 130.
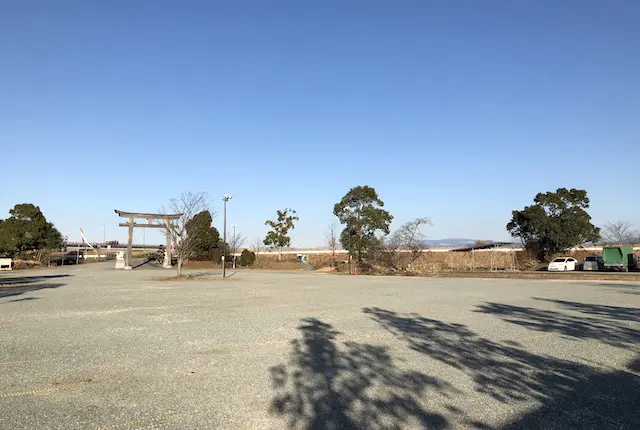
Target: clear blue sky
x: 456, y: 110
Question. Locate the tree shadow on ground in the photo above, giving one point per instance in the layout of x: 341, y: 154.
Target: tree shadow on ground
x: 23, y: 280
x: 608, y: 324
x: 24, y: 299
x: 635, y: 293
x: 505, y: 371
x: 326, y: 385
x: 142, y: 263
x: 572, y: 395
x: 602, y: 401
x: 15, y: 286
x: 618, y: 313
x: 616, y: 285
x: 18, y: 290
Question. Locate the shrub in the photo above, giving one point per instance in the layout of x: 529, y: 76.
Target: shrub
x: 247, y: 258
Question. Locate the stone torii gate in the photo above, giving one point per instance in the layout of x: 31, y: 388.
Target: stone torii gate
x: 132, y: 216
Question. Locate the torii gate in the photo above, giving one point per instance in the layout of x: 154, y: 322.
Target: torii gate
x: 165, y: 218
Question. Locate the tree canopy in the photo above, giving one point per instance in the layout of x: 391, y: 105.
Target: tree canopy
x: 27, y: 229
x: 278, y: 236
x: 556, y: 221
x: 206, y: 238
x: 247, y: 258
x: 360, y: 210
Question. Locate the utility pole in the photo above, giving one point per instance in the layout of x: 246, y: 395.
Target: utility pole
x: 225, y: 199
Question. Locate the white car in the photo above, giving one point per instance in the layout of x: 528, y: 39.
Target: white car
x: 562, y: 264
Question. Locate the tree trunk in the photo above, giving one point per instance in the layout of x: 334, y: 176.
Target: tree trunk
x: 279, y: 254
x: 179, y: 266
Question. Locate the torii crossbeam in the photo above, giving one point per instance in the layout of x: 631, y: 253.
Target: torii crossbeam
x: 132, y: 216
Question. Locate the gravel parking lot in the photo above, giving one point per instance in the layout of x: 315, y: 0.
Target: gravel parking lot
x: 89, y: 347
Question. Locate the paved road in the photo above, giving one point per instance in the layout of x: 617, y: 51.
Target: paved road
x: 91, y: 348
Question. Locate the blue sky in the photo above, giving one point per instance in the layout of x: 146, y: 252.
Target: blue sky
x: 456, y: 110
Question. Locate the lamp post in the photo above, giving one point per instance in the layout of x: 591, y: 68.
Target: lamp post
x: 225, y: 199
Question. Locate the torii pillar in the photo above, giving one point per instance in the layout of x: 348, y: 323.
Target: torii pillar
x: 166, y: 222
x: 167, y: 251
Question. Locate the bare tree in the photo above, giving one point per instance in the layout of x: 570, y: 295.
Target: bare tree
x: 332, y: 241
x: 258, y: 246
x: 620, y: 233
x: 184, y: 235
x: 236, y: 241
x: 407, y: 243
x: 410, y: 237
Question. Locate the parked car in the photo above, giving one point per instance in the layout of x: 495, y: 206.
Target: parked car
x: 68, y: 258
x: 593, y: 263
x: 562, y: 264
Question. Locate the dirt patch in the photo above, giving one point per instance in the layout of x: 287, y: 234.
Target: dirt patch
x: 25, y: 264
x: 325, y: 270
x: 201, y: 265
x: 195, y: 277
x: 264, y: 264
x: 429, y: 261
x: 279, y: 265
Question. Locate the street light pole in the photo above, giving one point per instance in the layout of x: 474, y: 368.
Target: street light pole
x: 225, y: 199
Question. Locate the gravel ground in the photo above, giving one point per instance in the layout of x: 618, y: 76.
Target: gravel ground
x: 89, y: 347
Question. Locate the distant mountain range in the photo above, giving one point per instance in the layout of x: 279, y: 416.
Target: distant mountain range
x: 452, y: 241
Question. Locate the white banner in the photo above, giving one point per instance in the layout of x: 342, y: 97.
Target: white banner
x: 84, y: 239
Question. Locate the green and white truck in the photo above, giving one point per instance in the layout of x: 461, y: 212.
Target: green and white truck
x: 620, y: 258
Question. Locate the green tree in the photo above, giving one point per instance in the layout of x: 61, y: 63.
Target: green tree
x: 27, y: 229
x: 360, y: 210
x: 555, y: 222
x: 206, y: 238
x: 247, y: 258
x: 278, y: 237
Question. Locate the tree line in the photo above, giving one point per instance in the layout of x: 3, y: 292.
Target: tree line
x: 554, y: 222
